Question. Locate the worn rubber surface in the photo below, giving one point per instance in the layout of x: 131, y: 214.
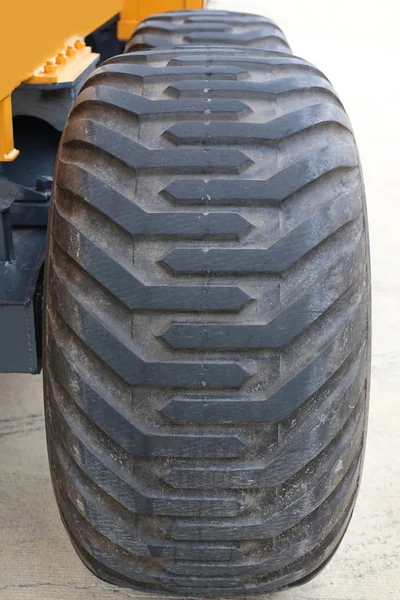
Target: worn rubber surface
x: 217, y: 27
x: 207, y: 344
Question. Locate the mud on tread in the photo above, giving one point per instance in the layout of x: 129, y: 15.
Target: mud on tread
x: 207, y: 321
x: 216, y: 27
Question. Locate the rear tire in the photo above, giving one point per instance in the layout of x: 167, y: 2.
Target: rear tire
x: 207, y: 323
x: 216, y: 27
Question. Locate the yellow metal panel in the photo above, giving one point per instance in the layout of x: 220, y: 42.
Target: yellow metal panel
x: 32, y: 32
x: 134, y: 11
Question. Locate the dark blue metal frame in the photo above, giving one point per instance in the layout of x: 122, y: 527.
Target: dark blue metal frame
x: 23, y: 222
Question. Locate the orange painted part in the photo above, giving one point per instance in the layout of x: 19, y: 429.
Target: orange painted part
x: 41, y: 42
x: 34, y: 32
x: 7, y: 150
x: 134, y: 11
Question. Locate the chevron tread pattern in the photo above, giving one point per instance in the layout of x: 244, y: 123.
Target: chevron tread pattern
x: 207, y: 316
x: 167, y: 30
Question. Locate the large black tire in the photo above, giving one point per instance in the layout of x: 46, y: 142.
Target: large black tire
x: 217, y: 27
x: 207, y: 322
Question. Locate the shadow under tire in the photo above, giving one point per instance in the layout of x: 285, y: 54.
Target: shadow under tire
x: 207, y: 321
x: 216, y: 27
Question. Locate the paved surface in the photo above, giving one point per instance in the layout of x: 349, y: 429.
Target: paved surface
x: 355, y: 43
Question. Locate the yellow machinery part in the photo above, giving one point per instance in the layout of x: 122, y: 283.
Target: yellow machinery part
x: 32, y: 36
x: 32, y: 33
x: 41, y: 42
x: 7, y: 150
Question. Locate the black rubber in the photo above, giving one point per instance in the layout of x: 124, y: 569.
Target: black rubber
x: 217, y: 27
x: 207, y: 321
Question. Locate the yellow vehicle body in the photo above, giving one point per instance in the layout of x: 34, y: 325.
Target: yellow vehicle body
x: 41, y: 41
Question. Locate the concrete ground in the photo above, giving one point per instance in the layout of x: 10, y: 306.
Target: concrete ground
x: 356, y: 44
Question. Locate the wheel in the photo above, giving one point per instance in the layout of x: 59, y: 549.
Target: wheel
x: 207, y: 321
x: 170, y: 29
